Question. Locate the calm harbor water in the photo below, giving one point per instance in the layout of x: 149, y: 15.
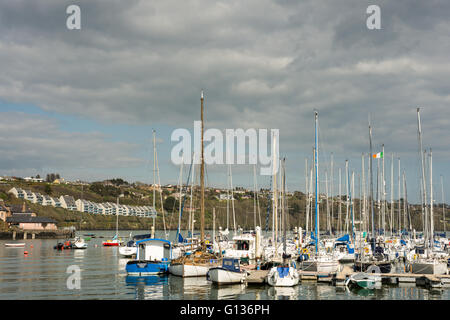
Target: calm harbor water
x: 42, y: 274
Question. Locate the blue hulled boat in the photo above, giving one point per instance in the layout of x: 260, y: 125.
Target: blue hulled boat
x: 153, y: 257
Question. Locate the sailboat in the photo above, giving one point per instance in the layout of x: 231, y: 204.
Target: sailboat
x: 285, y: 274
x: 429, y: 264
x: 198, y: 263
x: 375, y: 260
x: 321, y: 261
x: 115, y: 242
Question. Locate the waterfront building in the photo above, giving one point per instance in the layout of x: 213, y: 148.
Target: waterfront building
x: 56, y: 203
x: 17, y: 192
x: 68, y: 202
x: 26, y: 221
x: 46, y: 200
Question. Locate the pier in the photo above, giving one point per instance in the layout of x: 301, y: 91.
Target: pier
x: 36, y: 234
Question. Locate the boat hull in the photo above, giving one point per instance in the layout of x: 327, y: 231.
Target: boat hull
x: 320, y: 266
x: 15, y: 245
x: 127, y: 251
x: 110, y: 244
x: 437, y: 268
x: 144, y: 268
x: 222, y: 276
x: 276, y: 278
x: 188, y: 270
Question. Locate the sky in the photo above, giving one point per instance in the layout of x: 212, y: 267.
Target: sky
x: 83, y: 103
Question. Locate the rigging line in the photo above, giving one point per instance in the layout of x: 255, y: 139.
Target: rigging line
x: 184, y: 198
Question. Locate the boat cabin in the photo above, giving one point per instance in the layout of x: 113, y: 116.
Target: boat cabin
x: 154, y: 250
x: 231, y: 264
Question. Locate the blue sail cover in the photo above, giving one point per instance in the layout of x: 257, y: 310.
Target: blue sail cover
x: 345, y: 238
x: 403, y: 242
x: 283, y: 271
x: 180, y: 238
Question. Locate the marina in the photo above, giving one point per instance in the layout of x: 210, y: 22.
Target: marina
x: 42, y: 275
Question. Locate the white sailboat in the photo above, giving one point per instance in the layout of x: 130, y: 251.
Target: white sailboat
x: 321, y: 262
x: 429, y: 264
x: 285, y: 274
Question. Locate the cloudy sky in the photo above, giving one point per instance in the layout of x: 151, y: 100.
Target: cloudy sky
x: 84, y: 102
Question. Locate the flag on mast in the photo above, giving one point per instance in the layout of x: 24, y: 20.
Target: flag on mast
x: 378, y: 155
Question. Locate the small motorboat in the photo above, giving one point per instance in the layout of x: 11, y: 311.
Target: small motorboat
x: 64, y: 245
x: 79, y: 243
x: 229, y: 272
x: 129, y: 249
x: 15, y: 245
x: 364, y: 280
x: 115, y: 242
x: 153, y: 257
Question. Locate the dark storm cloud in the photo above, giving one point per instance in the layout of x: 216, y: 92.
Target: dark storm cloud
x: 263, y: 64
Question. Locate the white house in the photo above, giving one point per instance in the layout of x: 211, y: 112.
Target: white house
x: 38, y: 198
x: 56, y: 203
x: 68, y: 202
x: 30, y: 196
x: 17, y: 192
x: 46, y: 200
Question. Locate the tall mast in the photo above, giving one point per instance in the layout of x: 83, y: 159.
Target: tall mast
x: 364, y: 191
x: 424, y: 208
x: 331, y: 191
x: 431, y: 202
x: 346, y: 196
x: 275, y: 199
x: 180, y: 192
x: 443, y: 205
x: 191, y: 212
x: 317, y: 180
x: 383, y: 193
x: 371, y: 186
x: 399, y: 196
x: 327, y: 204
x: 154, y: 178
x: 340, y: 202
x: 392, y: 193
x: 284, y: 205
x: 202, y: 185
x: 306, y: 193
x: 254, y: 195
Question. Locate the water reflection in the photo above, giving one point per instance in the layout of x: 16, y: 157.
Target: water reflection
x: 283, y: 293
x: 148, y: 287
x: 225, y: 292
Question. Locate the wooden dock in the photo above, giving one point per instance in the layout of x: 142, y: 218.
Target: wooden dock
x: 257, y: 276
x: 339, y: 279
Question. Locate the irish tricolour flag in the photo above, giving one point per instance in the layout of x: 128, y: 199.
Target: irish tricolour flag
x: 378, y: 155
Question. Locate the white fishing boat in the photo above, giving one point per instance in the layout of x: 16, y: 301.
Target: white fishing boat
x: 15, y: 245
x: 230, y: 272
x: 79, y: 243
x: 129, y: 249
